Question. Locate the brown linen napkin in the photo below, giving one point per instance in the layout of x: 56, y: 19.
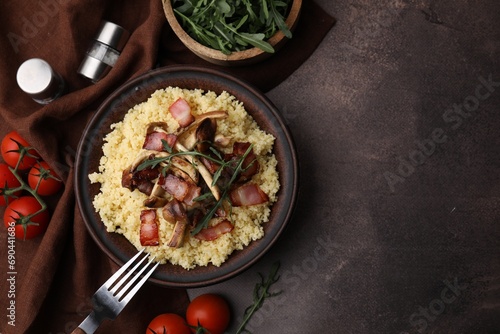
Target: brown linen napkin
x: 57, y: 273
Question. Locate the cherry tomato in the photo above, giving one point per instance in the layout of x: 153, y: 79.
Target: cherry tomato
x: 7, y: 181
x: 10, y: 149
x: 15, y: 213
x: 49, y: 181
x: 210, y: 311
x: 168, y: 323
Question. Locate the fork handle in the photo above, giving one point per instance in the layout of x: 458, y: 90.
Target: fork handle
x: 78, y: 330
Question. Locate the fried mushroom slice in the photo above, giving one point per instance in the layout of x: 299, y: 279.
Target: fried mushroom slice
x: 188, y: 138
x: 175, y: 213
x: 205, y: 174
x: 186, y: 167
x: 157, y: 198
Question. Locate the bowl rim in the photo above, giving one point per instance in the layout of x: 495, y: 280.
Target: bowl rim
x: 89, y: 141
x: 237, y: 56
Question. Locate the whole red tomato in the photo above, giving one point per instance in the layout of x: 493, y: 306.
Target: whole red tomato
x: 45, y: 178
x: 15, y: 214
x: 7, y: 181
x: 210, y: 311
x: 11, y: 147
x: 168, y: 323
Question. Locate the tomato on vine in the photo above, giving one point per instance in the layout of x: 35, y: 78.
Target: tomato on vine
x: 17, y: 152
x: 8, y: 185
x: 27, y: 217
x: 168, y: 323
x: 43, y: 179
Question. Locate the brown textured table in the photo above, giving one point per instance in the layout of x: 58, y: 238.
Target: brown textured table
x: 395, y: 118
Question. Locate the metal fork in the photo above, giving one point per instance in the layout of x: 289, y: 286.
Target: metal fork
x: 110, y: 299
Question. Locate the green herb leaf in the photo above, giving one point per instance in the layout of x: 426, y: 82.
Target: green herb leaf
x: 257, y: 40
x: 154, y: 162
x: 279, y: 20
x: 166, y: 146
x: 223, y: 7
x: 239, y: 167
x: 230, y: 26
x: 203, y: 197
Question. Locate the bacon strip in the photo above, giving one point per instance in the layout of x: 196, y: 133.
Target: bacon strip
x: 248, y: 194
x: 193, y: 192
x: 211, y: 165
x: 149, y: 228
x: 175, y: 186
x: 154, y: 141
x: 214, y: 232
x: 250, y: 165
x: 181, y: 112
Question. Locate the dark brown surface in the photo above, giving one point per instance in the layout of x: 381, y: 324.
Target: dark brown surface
x: 56, y: 274
x: 359, y: 256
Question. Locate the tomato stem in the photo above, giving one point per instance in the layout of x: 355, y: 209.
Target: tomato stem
x: 26, y: 220
x: 23, y: 151
x: 33, y: 192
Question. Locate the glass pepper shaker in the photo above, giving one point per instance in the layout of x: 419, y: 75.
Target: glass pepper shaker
x: 104, y: 51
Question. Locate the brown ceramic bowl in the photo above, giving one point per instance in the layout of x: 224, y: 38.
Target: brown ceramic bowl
x: 247, y: 57
x: 113, y: 109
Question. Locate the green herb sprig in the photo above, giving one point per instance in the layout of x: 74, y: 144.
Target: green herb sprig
x: 230, y: 26
x: 260, y: 294
x: 236, y: 165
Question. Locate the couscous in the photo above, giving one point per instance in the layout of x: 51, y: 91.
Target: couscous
x: 120, y: 208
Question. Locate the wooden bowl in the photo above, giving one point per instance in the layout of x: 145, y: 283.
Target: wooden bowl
x: 246, y: 57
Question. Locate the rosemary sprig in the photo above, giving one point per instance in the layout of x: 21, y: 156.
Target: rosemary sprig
x: 260, y: 294
x: 239, y: 168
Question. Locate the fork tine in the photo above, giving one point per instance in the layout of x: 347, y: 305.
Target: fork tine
x: 106, y: 303
x: 132, y: 292
x: 124, y: 278
x: 120, y: 271
x: 134, y: 278
x: 136, y: 288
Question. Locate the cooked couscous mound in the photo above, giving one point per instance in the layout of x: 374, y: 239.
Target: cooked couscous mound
x: 119, y: 208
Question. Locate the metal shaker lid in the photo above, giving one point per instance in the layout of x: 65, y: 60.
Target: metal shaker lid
x: 37, y: 78
x: 113, y: 35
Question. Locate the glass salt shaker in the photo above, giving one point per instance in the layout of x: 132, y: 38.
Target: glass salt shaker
x: 37, y: 78
x: 104, y: 51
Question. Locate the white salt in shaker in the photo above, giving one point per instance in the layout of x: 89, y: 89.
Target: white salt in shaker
x: 104, y: 51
